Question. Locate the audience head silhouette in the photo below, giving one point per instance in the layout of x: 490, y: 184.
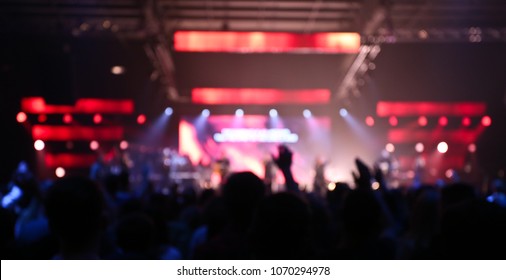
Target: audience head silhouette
x: 74, y: 207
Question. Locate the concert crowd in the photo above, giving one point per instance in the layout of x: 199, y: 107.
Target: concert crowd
x: 121, y: 211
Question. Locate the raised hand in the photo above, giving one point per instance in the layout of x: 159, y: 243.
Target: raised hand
x: 284, y: 159
x: 284, y: 162
x: 363, y: 178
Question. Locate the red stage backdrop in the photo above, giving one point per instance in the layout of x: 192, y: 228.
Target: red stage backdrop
x: 249, y: 139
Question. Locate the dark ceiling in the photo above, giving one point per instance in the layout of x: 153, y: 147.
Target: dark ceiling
x: 141, y: 29
x: 402, y: 18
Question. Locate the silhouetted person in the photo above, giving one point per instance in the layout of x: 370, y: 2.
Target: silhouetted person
x: 99, y: 169
x: 13, y: 194
x: 74, y: 208
x: 135, y: 234
x: 319, y: 182
x: 365, y: 218
x: 282, y: 229
x: 7, y: 221
x: 241, y: 193
x: 269, y: 173
x: 215, y: 220
x: 223, y: 167
x: 424, y: 225
x: 284, y: 162
x: 474, y: 229
x: 498, y: 195
x: 456, y: 193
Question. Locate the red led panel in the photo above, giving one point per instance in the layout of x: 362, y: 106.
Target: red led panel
x: 141, y: 119
x: 422, y: 121
x: 64, y: 133
x: 443, y: 121
x: 37, y: 105
x: 106, y: 106
x: 97, y: 118
x: 384, y: 109
x: 42, y: 118
x: 466, y: 121
x: 450, y: 161
x: 265, y: 42
x: 69, y: 160
x: 393, y: 121
x: 259, y: 96
x: 408, y: 135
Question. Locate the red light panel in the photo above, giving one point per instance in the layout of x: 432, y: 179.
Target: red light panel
x: 141, y: 119
x: 97, y: 118
x: 450, y: 161
x: 393, y: 121
x: 443, y: 121
x: 66, y: 133
x: 466, y: 121
x: 409, y: 135
x: 259, y: 96
x: 265, y: 42
x: 105, y: 106
x: 69, y: 160
x: 67, y: 118
x: 404, y: 109
x: 42, y: 118
x: 37, y: 105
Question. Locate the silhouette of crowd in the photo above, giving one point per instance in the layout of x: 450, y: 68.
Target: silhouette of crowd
x: 109, y: 218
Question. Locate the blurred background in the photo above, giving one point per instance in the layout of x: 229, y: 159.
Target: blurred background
x: 418, y: 85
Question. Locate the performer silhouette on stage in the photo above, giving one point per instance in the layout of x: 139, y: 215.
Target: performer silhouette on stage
x: 222, y: 166
x: 319, y: 182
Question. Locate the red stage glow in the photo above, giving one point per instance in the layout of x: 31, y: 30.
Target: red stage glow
x: 105, y: 106
x: 369, y: 121
x: 265, y: 42
x: 471, y: 148
x: 401, y: 135
x: 42, y: 118
x: 66, y: 133
x: 37, y: 105
x: 259, y: 96
x: 450, y: 161
x: 67, y: 118
x: 248, y: 140
x: 393, y: 121
x: 384, y: 109
x: 97, y: 118
x: 486, y: 121
x: 466, y: 121
x: 21, y: 117
x: 188, y: 144
x: 141, y: 119
x: 69, y: 160
x: 422, y: 121
x: 443, y: 121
